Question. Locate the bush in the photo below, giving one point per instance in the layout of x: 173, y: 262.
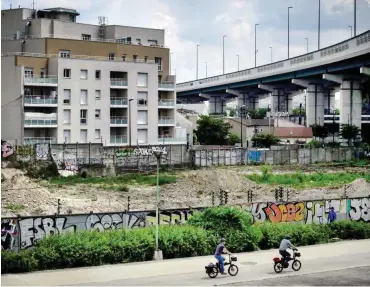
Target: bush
x: 344, y: 229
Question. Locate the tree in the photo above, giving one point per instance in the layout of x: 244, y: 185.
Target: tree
x: 212, y: 131
x: 265, y: 140
x: 258, y: 113
x: 349, y: 132
x: 299, y: 112
x: 319, y: 131
x: 233, y: 139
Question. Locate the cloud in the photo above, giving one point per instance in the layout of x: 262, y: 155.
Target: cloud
x: 224, y: 17
x: 338, y: 6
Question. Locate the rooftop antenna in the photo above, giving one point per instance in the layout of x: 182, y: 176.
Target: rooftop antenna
x: 33, y: 4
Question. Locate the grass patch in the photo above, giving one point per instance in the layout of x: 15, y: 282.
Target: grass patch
x: 14, y: 207
x: 301, y: 180
x: 115, y: 182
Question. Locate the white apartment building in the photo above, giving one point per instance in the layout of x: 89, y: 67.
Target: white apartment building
x: 121, y: 95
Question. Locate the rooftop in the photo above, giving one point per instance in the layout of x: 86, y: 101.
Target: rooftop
x: 294, y: 132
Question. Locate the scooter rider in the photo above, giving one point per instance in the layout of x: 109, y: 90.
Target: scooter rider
x: 218, y: 255
x: 284, y: 245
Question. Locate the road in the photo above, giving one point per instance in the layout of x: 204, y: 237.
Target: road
x: 342, y: 263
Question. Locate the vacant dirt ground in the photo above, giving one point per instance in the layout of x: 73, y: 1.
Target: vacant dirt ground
x: 25, y: 196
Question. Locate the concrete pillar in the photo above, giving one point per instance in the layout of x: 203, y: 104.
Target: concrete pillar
x: 314, y: 105
x: 350, y: 103
x: 289, y: 100
x: 215, y: 105
x: 329, y: 99
x: 279, y: 102
x: 253, y: 102
x: 242, y: 100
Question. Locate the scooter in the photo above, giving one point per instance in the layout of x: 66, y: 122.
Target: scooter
x: 280, y: 263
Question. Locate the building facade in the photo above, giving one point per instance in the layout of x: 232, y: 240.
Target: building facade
x: 64, y: 81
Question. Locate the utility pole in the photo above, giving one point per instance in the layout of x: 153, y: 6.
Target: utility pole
x: 271, y: 53
x: 255, y: 45
x: 318, y: 40
x: 223, y: 54
x: 354, y: 20
x: 206, y: 68
x: 288, y: 29
x: 197, y: 60
x: 307, y: 44
x: 238, y: 62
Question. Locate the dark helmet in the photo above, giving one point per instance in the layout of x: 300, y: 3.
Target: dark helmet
x: 287, y: 236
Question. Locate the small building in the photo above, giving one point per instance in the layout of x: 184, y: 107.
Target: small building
x: 290, y: 135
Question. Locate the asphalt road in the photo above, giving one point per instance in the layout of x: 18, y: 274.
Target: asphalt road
x: 263, y: 274
x: 345, y: 277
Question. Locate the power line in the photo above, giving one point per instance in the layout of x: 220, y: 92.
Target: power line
x: 12, y: 101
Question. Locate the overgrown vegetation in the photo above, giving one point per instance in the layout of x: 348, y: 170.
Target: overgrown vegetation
x: 265, y: 140
x: 14, y: 207
x: 212, y: 131
x: 199, y: 237
x: 42, y: 170
x: 302, y: 180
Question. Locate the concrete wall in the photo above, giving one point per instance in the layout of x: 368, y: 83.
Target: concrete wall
x: 21, y: 233
x: 29, y: 46
x: 11, y: 100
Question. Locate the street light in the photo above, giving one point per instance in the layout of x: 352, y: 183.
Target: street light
x: 157, y: 253
x: 238, y: 62
x: 129, y: 121
x: 271, y: 53
x: 318, y: 36
x: 351, y: 30
x: 241, y: 124
x: 307, y: 44
x: 288, y: 28
x: 255, y: 45
x: 206, y: 68
x: 223, y: 54
x: 354, y: 16
x: 197, y: 60
x: 170, y: 62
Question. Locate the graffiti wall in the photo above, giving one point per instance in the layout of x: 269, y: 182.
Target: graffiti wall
x: 22, y: 233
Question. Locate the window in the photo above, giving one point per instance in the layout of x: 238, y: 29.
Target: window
x: 67, y: 136
x: 111, y: 56
x: 153, y: 42
x: 83, y: 97
x: 83, y: 116
x: 97, y: 134
x: 42, y: 73
x: 67, y: 97
x: 146, y: 59
x: 97, y: 75
x: 64, y: 53
x: 142, y: 98
x: 124, y: 57
x: 66, y: 117
x: 83, y: 75
x: 142, y: 117
x: 83, y: 136
x: 97, y: 114
x: 158, y: 61
x: 142, y: 136
x: 138, y: 41
x: 142, y: 80
x: 97, y: 94
x: 135, y: 58
x: 128, y: 40
x: 86, y: 37
x: 67, y: 73
x: 72, y: 18
x: 28, y: 72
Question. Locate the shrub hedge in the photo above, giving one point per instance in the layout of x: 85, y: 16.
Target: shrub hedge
x: 199, y: 237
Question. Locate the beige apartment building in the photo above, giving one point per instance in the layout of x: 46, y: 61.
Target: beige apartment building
x: 67, y: 82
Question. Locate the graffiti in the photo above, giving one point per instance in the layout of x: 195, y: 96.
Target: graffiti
x: 25, y: 151
x: 145, y: 151
x: 169, y: 217
x: 42, y: 151
x: 8, y: 233
x: 34, y: 229
x: 359, y: 209
x: 6, y: 149
x: 287, y: 212
x: 124, y: 152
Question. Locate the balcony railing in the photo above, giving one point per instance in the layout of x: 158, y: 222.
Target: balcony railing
x: 41, y: 80
x: 166, y: 121
x: 30, y: 121
x: 39, y: 100
x: 117, y: 101
x: 118, y: 139
x: 118, y: 82
x: 166, y: 85
x: 35, y: 140
x: 166, y: 103
x: 169, y: 139
x: 118, y: 120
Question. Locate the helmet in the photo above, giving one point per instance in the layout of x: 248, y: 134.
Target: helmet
x: 222, y: 240
x: 287, y: 236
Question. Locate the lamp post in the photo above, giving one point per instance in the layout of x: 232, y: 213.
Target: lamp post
x: 354, y: 16
x: 307, y: 44
x: 157, y: 253
x: 223, y: 54
x: 206, y: 68
x: 170, y: 62
x: 242, y: 108
x: 255, y: 45
x: 288, y: 28
x: 238, y: 62
x: 197, y: 59
x: 271, y: 53
x: 318, y: 26
x: 129, y: 121
x: 351, y: 30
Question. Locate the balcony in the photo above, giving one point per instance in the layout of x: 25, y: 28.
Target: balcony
x: 166, y: 103
x: 171, y: 139
x: 166, y: 121
x: 35, y: 140
x: 118, y: 83
x: 40, y: 101
x: 118, y: 102
x: 118, y: 121
x: 166, y: 86
x: 40, y: 122
x: 48, y: 81
x: 118, y: 139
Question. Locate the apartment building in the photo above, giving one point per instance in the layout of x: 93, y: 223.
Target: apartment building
x: 70, y: 82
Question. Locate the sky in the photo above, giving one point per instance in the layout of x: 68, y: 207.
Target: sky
x: 189, y: 23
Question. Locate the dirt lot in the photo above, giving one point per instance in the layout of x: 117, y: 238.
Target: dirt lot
x: 25, y: 196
